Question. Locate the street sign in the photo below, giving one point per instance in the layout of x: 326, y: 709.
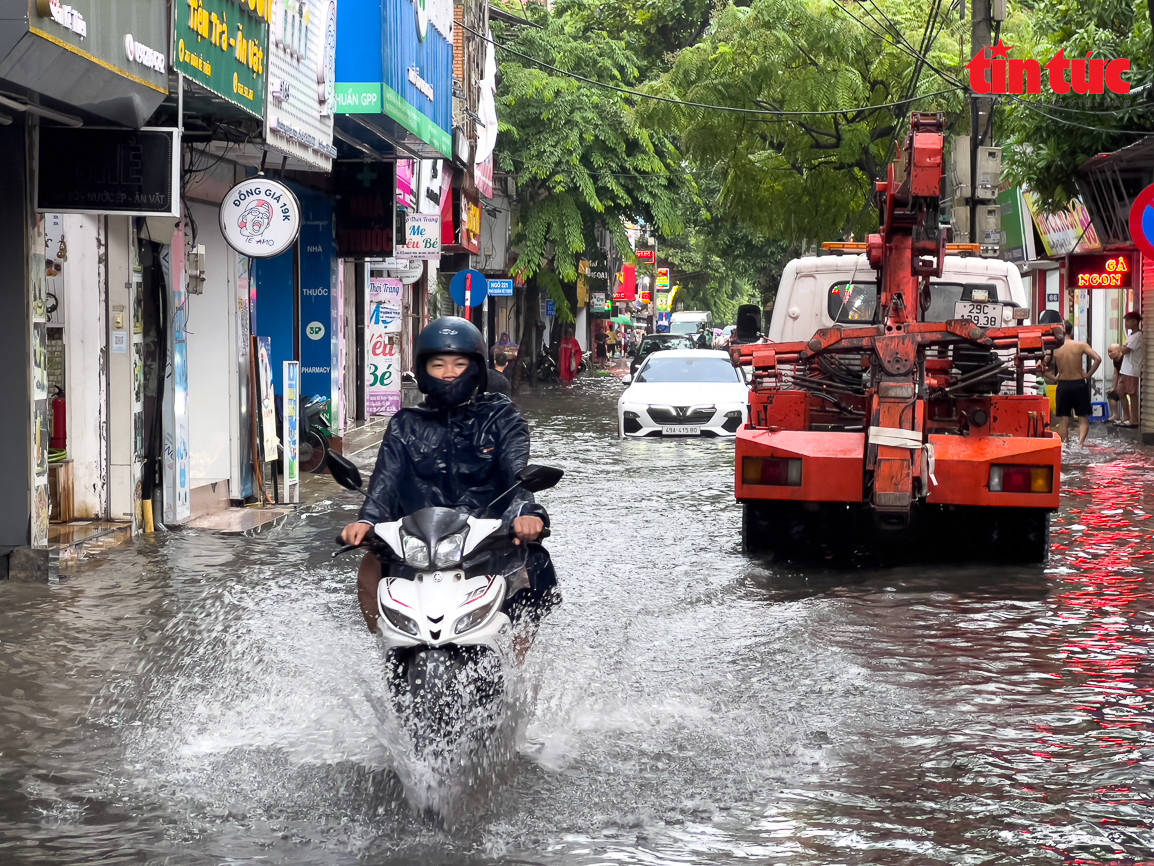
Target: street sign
x: 646, y: 257
x: 1142, y: 221
x: 550, y: 308
x: 500, y: 288
x: 472, y: 281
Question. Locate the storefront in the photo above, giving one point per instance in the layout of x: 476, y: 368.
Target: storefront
x: 63, y: 70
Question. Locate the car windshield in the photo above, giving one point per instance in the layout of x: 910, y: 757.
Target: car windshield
x: 655, y: 345
x: 855, y: 303
x: 684, y: 327
x: 663, y: 369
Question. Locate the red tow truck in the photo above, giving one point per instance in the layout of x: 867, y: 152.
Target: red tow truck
x: 900, y: 433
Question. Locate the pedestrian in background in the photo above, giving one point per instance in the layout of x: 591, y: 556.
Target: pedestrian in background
x: 1113, y: 398
x: 1131, y: 370
x: 1067, y: 365
x: 498, y: 382
x: 569, y: 356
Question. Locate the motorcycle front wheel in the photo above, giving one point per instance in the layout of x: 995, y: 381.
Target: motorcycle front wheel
x: 314, y: 452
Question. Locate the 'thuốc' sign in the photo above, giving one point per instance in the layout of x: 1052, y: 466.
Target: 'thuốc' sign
x: 301, y: 80
x: 222, y: 45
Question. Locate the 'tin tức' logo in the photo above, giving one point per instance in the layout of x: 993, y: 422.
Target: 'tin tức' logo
x: 997, y: 72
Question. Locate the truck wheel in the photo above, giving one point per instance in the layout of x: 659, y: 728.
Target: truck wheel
x: 755, y: 528
x: 1022, y: 536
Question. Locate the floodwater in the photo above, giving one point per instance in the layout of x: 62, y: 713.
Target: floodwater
x: 196, y: 699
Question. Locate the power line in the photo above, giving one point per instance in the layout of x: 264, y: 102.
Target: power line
x: 773, y: 112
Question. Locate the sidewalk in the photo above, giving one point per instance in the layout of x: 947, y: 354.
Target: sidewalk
x: 361, y: 437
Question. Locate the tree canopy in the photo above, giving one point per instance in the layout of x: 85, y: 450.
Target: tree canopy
x: 1048, y: 136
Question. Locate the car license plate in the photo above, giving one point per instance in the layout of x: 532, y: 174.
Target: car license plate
x: 680, y: 430
x: 982, y: 315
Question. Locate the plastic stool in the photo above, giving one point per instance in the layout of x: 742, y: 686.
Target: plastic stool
x: 1099, y: 411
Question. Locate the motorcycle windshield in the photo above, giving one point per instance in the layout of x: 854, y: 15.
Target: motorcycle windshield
x: 434, y: 523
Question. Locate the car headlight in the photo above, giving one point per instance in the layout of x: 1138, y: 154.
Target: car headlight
x: 449, y: 550
x: 474, y: 617
x: 400, y: 622
x: 416, y: 551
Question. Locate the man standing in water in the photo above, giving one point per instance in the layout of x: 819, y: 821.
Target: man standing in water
x: 1067, y: 366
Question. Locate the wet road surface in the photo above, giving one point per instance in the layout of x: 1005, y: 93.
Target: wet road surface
x: 196, y: 699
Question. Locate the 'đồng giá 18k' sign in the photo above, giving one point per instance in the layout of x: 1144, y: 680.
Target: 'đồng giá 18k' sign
x: 222, y: 45
x: 260, y: 218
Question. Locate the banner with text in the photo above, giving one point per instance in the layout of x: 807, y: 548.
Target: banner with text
x: 382, y: 355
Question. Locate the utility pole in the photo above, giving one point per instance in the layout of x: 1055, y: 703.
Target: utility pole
x: 981, y: 107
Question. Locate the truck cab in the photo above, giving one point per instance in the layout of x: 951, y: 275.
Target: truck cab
x: 690, y: 323
x: 818, y: 292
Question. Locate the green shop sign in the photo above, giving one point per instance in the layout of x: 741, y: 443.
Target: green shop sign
x: 222, y: 45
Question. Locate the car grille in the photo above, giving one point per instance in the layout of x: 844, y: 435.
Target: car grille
x: 681, y: 414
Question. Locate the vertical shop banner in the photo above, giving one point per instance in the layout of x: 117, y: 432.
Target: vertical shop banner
x: 290, y: 434
x: 269, y: 440
x: 365, y: 210
x: 301, y: 80
x: 382, y: 367
x: 222, y: 45
x: 406, y: 181
x: 177, y: 469
x: 38, y: 421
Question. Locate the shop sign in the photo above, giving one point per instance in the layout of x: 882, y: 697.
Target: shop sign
x: 646, y: 257
x: 222, y: 45
x: 365, y: 209
x: 302, y: 55
x: 422, y: 237
x: 470, y: 235
x: 125, y: 36
x: 105, y: 171
x: 1104, y: 271
x: 500, y: 288
x: 599, y: 302
x: 394, y: 69
x: 382, y: 358
x: 290, y: 429
x: 663, y: 279
x: 626, y: 284
x: 1068, y: 230
x: 406, y: 171
x: 260, y: 218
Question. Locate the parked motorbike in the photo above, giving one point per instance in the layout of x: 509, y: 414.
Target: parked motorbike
x: 315, y: 435
x: 447, y: 581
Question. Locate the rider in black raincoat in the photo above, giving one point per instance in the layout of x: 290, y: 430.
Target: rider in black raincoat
x: 462, y: 447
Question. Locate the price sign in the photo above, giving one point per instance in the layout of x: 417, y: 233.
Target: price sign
x: 662, y: 278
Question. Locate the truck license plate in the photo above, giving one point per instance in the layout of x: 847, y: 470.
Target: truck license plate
x: 680, y: 430
x: 982, y: 315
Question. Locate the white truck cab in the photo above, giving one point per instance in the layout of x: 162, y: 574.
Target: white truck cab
x: 820, y: 291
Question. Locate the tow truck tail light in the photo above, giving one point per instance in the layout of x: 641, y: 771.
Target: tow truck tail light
x: 774, y: 471
x: 1009, y: 478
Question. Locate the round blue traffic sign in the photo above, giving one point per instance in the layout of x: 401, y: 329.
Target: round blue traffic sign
x: 474, y: 282
x: 1142, y: 221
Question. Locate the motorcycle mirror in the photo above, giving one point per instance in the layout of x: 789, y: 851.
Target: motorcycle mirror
x: 344, y: 472
x: 535, y: 477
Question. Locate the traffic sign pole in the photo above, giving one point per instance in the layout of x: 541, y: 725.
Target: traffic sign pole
x: 468, y: 297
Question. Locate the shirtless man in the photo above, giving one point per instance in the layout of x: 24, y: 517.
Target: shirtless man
x: 1069, y: 371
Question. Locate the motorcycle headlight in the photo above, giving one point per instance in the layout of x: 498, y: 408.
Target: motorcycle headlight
x: 401, y: 622
x: 474, y: 617
x: 449, y: 550
x: 416, y: 551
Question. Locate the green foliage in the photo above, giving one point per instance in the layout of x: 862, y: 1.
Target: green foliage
x: 1046, y: 139
x: 802, y: 179
x: 582, y: 161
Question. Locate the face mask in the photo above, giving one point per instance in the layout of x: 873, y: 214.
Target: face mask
x: 446, y: 394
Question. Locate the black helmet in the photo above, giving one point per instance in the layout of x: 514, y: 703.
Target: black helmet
x: 1050, y: 317
x: 451, y: 335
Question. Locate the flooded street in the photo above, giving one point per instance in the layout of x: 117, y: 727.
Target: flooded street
x: 199, y: 699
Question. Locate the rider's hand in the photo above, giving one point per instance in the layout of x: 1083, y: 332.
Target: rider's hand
x: 527, y: 529
x: 355, y: 533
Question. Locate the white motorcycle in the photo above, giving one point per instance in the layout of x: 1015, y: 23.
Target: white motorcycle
x: 447, y: 580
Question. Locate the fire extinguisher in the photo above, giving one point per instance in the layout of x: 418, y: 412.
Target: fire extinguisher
x: 59, y: 440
